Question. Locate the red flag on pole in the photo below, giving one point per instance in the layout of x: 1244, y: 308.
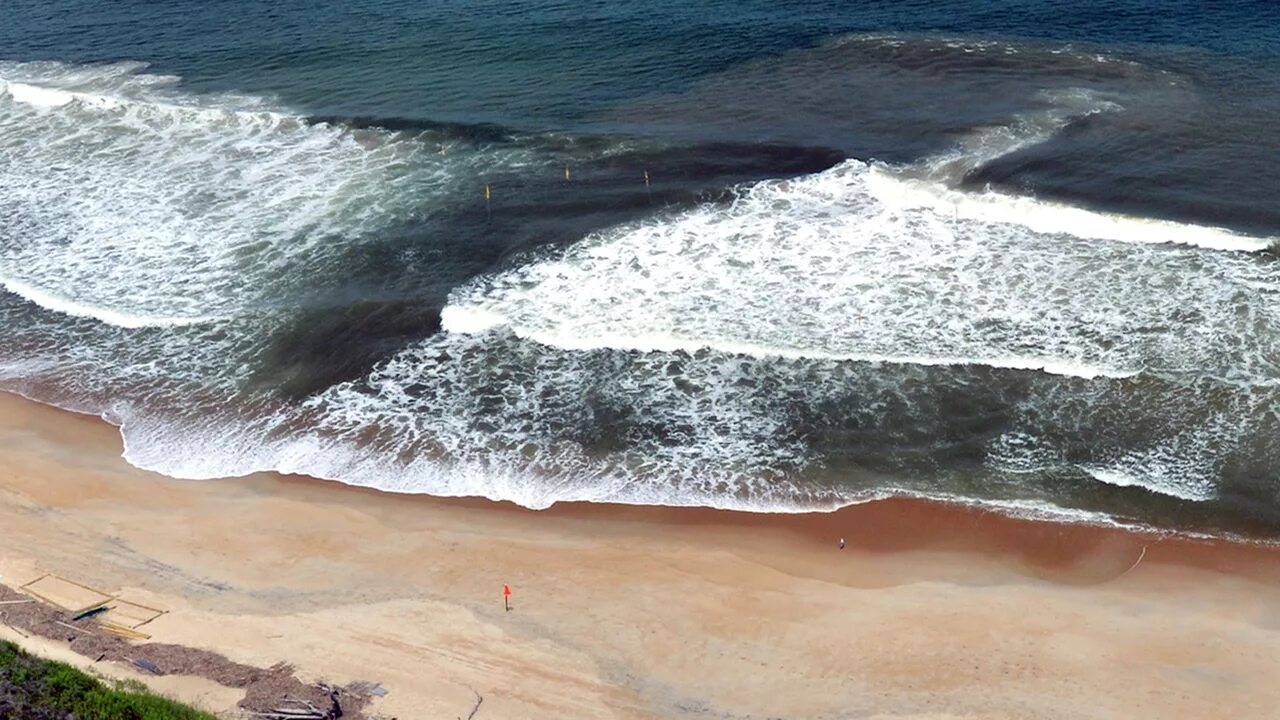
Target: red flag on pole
x: 506, y: 591
x: 506, y: 597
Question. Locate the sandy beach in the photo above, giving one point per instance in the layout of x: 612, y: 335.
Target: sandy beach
x: 627, y: 612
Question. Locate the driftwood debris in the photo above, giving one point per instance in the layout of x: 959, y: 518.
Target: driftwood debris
x: 293, y: 707
x: 266, y: 689
x: 301, y: 710
x: 144, y: 664
x: 15, y: 602
x: 300, y: 701
x: 122, y: 631
x: 476, y: 708
x: 72, y: 627
x: 365, y: 687
x: 1135, y: 562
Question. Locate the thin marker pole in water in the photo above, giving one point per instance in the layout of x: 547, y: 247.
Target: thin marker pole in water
x: 488, y: 209
x: 567, y: 176
x: 647, y: 187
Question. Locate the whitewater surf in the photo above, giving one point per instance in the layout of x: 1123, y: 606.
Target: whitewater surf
x: 655, y: 306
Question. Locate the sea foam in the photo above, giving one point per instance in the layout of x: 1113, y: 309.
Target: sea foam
x: 850, y: 265
x: 128, y: 200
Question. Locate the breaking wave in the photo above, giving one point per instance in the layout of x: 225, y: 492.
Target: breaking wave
x: 132, y: 202
x: 879, y: 263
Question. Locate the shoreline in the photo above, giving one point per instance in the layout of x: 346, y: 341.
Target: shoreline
x: 1050, y: 515
x: 640, y: 611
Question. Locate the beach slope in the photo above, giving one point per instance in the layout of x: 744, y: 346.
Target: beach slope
x: 930, y: 611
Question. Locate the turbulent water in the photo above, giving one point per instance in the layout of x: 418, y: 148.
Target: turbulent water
x: 743, y: 256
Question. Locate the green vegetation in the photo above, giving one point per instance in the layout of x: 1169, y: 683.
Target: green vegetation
x: 36, y: 689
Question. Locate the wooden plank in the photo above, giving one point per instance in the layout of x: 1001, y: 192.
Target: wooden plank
x: 33, y: 582
x: 66, y: 594
x: 140, y: 606
x: 82, y: 611
x: 130, y: 614
x: 73, y: 627
x: 124, y: 632
x: 144, y: 622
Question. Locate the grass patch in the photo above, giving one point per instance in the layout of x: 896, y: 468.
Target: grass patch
x: 35, y: 689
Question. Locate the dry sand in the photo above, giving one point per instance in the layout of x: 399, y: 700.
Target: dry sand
x: 930, y: 612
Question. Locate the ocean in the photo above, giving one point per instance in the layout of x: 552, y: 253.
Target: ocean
x: 764, y: 256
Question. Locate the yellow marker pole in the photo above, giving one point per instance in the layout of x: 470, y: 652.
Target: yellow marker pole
x: 567, y: 176
x: 488, y: 210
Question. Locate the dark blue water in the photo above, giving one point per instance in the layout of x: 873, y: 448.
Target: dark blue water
x: 538, y: 63
x: 577, y: 67
x: 761, y: 255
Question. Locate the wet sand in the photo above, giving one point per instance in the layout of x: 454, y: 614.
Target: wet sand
x: 931, y: 611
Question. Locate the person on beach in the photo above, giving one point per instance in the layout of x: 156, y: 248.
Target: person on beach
x: 841, y: 543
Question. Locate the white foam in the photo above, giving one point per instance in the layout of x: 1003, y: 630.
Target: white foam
x: 37, y: 96
x: 489, y: 415
x: 1158, y: 484
x: 65, y: 306
x: 929, y: 185
x: 838, y: 266
x: 983, y: 145
x: 1117, y: 478
x: 423, y: 448
x: 179, y: 107
x: 1050, y: 218
x: 127, y: 200
x: 1186, y: 462
x: 1028, y: 509
x: 335, y: 459
x: 467, y: 320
